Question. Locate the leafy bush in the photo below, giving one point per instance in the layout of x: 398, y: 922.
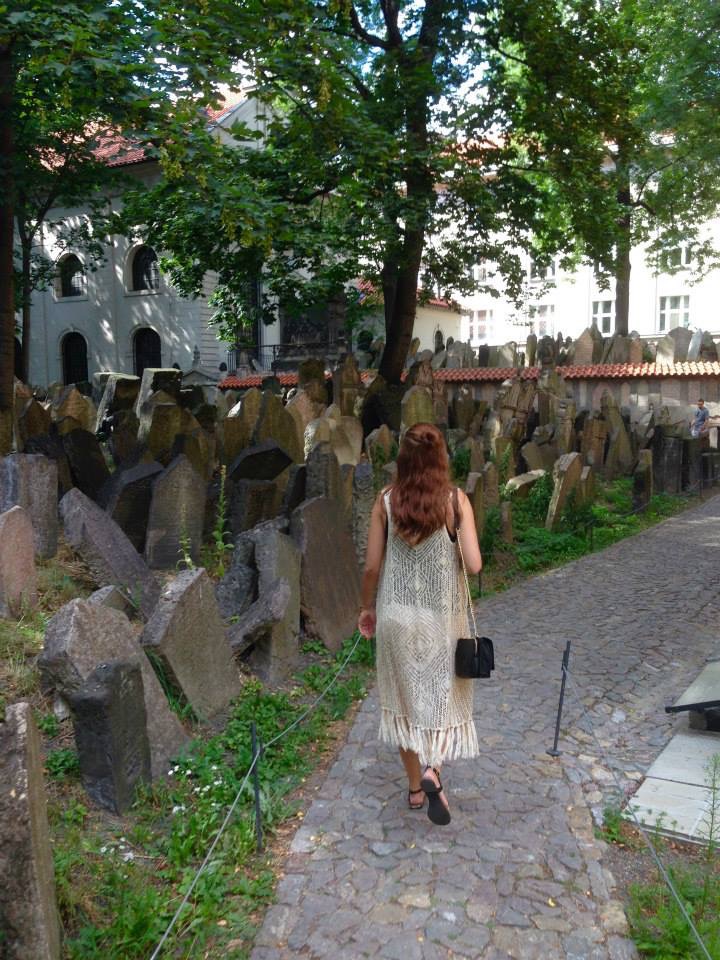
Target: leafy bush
x: 491, y: 532
x: 460, y: 465
x: 541, y: 548
x: 62, y: 764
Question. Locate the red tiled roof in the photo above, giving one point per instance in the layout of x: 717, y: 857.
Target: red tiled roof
x: 117, y: 151
x: 596, y: 371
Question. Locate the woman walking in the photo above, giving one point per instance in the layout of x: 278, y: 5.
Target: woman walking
x: 412, y: 552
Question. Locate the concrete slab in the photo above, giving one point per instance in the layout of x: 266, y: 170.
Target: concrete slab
x: 685, y: 758
x: 703, y: 692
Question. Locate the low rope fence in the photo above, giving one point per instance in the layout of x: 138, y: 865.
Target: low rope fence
x: 258, y: 749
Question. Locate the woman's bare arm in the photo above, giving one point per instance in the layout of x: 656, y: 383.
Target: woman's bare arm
x: 468, y: 535
x: 373, y: 565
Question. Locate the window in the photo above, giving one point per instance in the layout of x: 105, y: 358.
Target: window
x: 70, y: 281
x: 675, y: 259
x: 74, y: 358
x: 543, y: 318
x: 471, y: 333
x: 147, y: 350
x: 541, y: 271
x: 479, y: 273
x: 484, y: 320
x: 145, y: 270
x: 674, y: 312
x: 603, y: 315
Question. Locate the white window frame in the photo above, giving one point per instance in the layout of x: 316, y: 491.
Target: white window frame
x: 673, y: 315
x: 603, y: 314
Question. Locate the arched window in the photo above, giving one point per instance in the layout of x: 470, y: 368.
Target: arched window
x: 74, y: 358
x: 145, y: 270
x: 71, y: 277
x: 147, y: 351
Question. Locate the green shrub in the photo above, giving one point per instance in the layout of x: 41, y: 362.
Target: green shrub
x: 460, y: 465
x: 62, y: 764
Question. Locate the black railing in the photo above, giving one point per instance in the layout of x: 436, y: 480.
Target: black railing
x: 276, y: 357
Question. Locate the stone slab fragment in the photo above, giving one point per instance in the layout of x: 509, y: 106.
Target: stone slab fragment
x: 30, y: 481
x: 18, y: 577
x: 80, y: 637
x: 176, y: 514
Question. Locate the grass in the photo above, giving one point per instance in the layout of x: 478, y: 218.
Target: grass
x: 120, y: 883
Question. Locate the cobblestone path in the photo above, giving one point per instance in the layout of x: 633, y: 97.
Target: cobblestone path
x: 518, y: 873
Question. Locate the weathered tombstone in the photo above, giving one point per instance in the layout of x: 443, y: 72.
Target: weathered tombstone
x: 186, y: 633
x: 275, y: 423
x: 18, y: 577
x: 379, y: 443
x: 474, y: 489
x: 617, y: 349
x: 127, y: 497
x: 123, y: 442
x: 462, y: 409
x: 30, y: 481
x: 665, y: 350
x: 330, y: 576
x: 353, y: 431
x: 169, y: 380
x: 643, y: 480
x: 635, y: 350
x: 692, y: 471
x: 620, y: 458
x: 80, y: 637
x: 295, y: 490
x: 239, y: 424
x: 107, y: 550
x: 322, y: 473
x: 88, y: 468
x: 417, y: 407
x: 238, y: 589
x: 347, y: 385
x: 71, y: 403
x: 265, y: 461
x: 33, y: 420
x: 667, y: 463
x: 312, y: 380
x: 708, y: 348
x: 29, y: 923
x: 519, y: 487
x: 383, y: 402
x: 595, y: 430
x: 363, y: 498
x: 120, y: 393
x: 51, y: 448
x: 491, y: 492
x: 693, y: 351
x: 531, y: 349
x: 506, y: 524
x: 477, y: 454
x: 175, y: 520
x: 251, y: 502
x: 585, y: 490
x: 111, y: 597
x: 160, y: 423
x: 484, y: 355
x: 111, y: 734
x: 588, y: 347
x: 566, y: 475
x: 682, y: 337
x: 272, y: 623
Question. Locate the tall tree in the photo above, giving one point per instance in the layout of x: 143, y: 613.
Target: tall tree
x: 393, y: 149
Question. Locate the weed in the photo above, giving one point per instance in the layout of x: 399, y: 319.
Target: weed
x: 186, y: 561
x: 460, y: 465
x: 49, y: 724
x: 62, y: 764
x: 214, y: 554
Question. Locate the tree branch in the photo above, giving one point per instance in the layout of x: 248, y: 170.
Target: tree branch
x: 363, y: 34
x: 390, y: 15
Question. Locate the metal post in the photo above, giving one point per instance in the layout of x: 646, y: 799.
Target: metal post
x: 553, y: 751
x: 257, y: 753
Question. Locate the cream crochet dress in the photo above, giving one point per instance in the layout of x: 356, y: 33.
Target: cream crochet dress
x: 421, y: 612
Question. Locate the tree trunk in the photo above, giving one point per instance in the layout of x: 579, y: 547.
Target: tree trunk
x: 26, y: 307
x: 7, y: 233
x: 7, y: 223
x: 400, y: 293
x: 623, y: 247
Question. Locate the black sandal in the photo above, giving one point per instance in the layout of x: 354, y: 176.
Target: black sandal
x: 437, y: 811
x: 416, y: 806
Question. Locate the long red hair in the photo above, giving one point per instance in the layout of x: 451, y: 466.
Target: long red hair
x: 420, y: 494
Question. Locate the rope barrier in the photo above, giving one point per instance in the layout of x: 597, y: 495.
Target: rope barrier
x: 572, y: 686
x: 256, y: 756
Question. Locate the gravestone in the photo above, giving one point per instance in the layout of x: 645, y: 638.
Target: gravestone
x: 692, y: 470
x: 592, y: 448
x: 186, y: 633
x: 127, y: 497
x: 416, y: 407
x: 238, y: 589
x: 275, y: 423
x: 265, y: 461
x: 491, y: 492
x: 667, y: 463
x: 111, y: 734
x: 665, y: 350
x: 304, y: 409
x: 347, y: 385
x: 175, y: 520
x: 619, y: 459
x: 588, y: 347
x: 111, y: 597
x: 682, y: 337
x: 160, y: 423
x: 566, y: 476
x: 585, y: 491
x: 123, y: 443
x: 272, y: 623
x: 29, y: 922
x: 693, y: 352
x: 531, y: 349
x: 169, y: 380
x: 506, y: 524
x: 251, y: 502
x: 322, y: 473
x: 379, y: 443
x: 107, y: 550
x: 484, y: 355
x: 519, y: 487
x: 80, y: 637
x: 363, y: 498
x: 475, y: 492
x: 643, y: 480
x: 312, y: 381
x: 33, y: 420
x: 73, y: 405
x: 635, y: 350
x: 120, y: 393
x: 330, y: 577
x: 708, y: 348
x: 462, y: 409
x: 295, y: 491
x: 30, y: 481
x: 317, y: 431
x: 88, y: 468
x: 18, y: 577
x: 239, y: 424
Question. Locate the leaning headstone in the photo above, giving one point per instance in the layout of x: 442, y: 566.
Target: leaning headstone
x: 708, y: 348
x: 127, y: 498
x: 251, y: 502
x: 620, y: 458
x: 330, y: 576
x: 238, y: 589
x: 33, y: 420
x: 379, y: 444
x: 111, y: 734
x: 18, y: 577
x: 265, y: 461
x: 123, y: 442
x: 160, y: 423
x: 111, y: 597
x: 295, y: 490
x: 80, y: 637
x: 682, y: 337
x: 29, y: 923
x: 566, y: 475
x: 363, y: 498
x: 186, y: 633
x: 595, y: 431
x: 693, y: 352
x: 72, y: 404
x: 175, y: 520
x: 643, y: 480
x: 531, y: 349
x: 588, y: 347
x: 88, y: 468
x: 30, y: 481
x: 462, y: 409
x: 417, y: 407
x: 665, y: 350
x: 275, y: 423
x: 347, y: 385
x: 506, y: 524
x: 491, y: 491
x: 169, y: 380
x: 239, y: 424
x: 322, y: 473
x: 107, y: 550
x: 120, y: 393
x: 519, y: 487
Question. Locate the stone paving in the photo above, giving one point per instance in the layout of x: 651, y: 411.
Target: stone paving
x: 518, y: 873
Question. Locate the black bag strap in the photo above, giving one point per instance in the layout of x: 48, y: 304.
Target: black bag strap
x: 462, y: 560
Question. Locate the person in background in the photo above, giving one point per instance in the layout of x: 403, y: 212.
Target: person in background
x: 421, y: 612
x: 698, y: 425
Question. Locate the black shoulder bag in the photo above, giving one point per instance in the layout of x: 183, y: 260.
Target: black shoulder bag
x: 474, y: 656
